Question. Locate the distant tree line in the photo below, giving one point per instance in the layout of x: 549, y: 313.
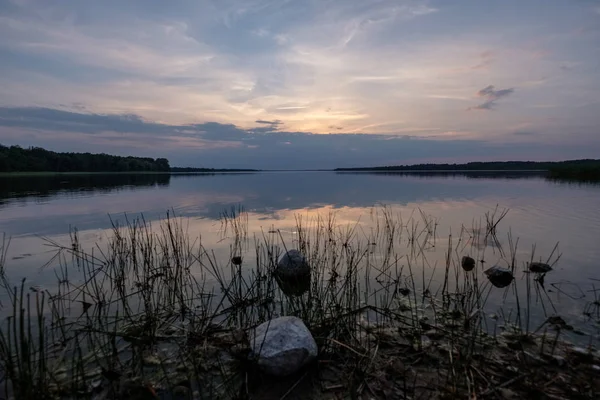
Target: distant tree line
x: 486, y: 166
x: 36, y: 159
x: 583, y: 171
x: 580, y: 170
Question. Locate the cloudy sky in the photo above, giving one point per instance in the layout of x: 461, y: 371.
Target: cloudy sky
x: 303, y: 83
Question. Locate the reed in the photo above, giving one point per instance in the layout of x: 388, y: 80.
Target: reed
x: 153, y: 313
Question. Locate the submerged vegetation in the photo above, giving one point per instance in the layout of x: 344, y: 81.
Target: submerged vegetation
x: 155, y: 314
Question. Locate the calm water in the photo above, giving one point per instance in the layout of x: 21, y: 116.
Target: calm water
x: 37, y: 208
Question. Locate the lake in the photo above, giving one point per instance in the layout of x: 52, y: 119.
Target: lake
x: 38, y: 209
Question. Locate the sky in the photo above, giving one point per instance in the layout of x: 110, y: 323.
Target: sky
x: 291, y: 84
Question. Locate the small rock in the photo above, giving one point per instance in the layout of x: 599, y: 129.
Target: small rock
x: 151, y: 359
x: 96, y: 384
x: 468, y: 263
x: 559, y: 360
x: 283, y: 345
x: 581, y: 351
x: 499, y: 276
x: 557, y: 321
x: 539, y: 267
x: 237, y: 260
x: 424, y: 343
x: 293, y: 273
x: 582, y: 355
x: 507, y: 394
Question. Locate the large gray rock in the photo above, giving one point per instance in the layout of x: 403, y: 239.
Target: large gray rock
x: 283, y: 345
x: 292, y: 264
x: 293, y: 273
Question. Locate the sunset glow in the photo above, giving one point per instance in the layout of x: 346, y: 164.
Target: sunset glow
x: 227, y: 83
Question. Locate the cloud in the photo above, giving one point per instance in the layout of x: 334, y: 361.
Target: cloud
x: 235, y: 61
x: 197, y: 75
x: 568, y: 66
x: 491, y: 95
x: 214, y: 144
x: 54, y: 119
x: 210, y: 143
x: 272, y: 123
x: 269, y: 126
x: 490, y: 92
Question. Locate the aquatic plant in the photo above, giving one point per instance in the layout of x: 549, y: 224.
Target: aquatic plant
x: 154, y: 313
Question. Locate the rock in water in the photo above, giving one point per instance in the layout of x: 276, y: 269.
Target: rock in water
x: 468, y: 263
x: 292, y: 264
x: 283, y: 345
x: 539, y: 267
x: 499, y: 276
x: 293, y: 273
x: 237, y: 260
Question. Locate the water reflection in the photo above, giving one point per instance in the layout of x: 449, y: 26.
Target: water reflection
x: 542, y: 213
x: 465, y: 174
x: 265, y: 192
x: 49, y: 205
x: 15, y: 188
x: 268, y: 192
